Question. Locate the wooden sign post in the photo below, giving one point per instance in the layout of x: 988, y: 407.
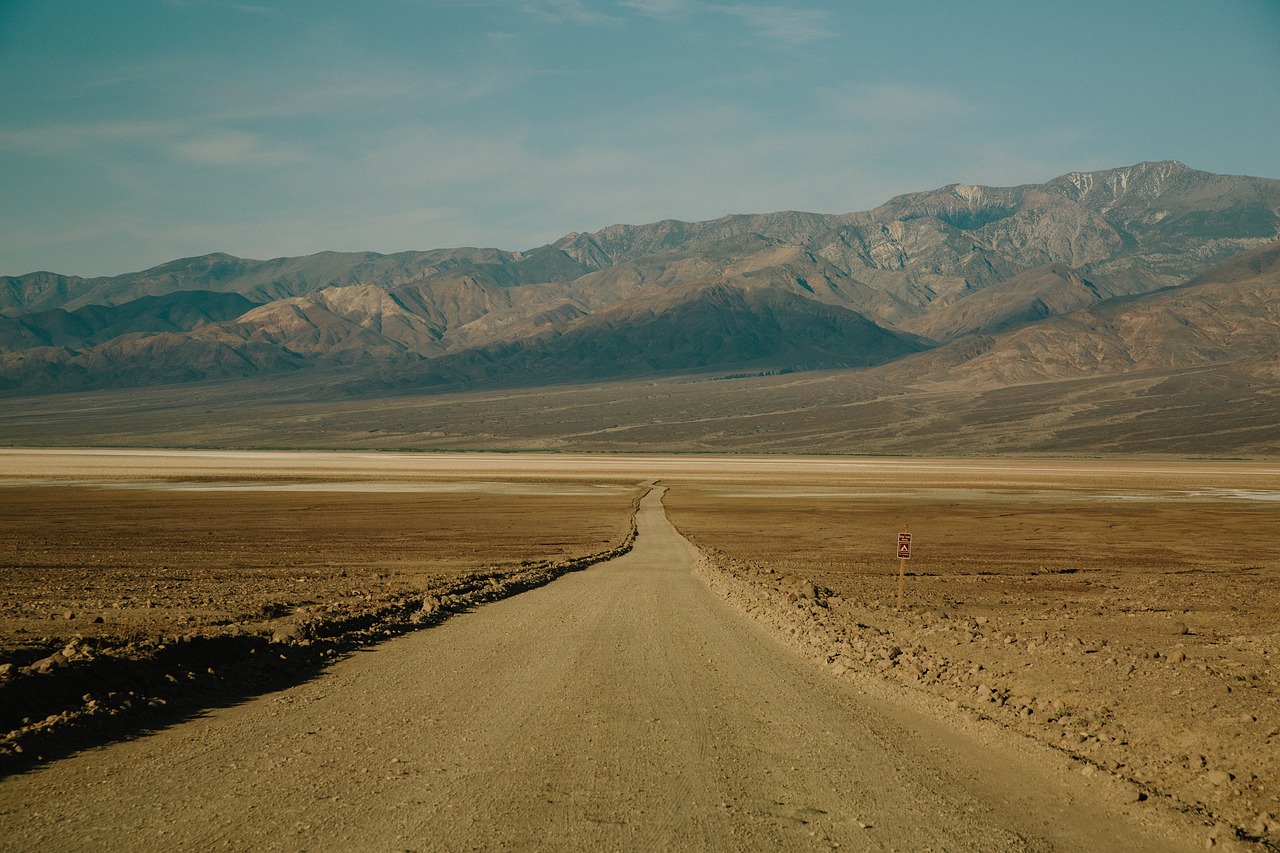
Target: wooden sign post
x: 904, y: 554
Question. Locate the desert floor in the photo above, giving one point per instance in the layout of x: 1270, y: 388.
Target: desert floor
x: 1119, y: 615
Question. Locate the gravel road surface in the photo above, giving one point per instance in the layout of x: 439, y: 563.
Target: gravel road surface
x: 624, y: 707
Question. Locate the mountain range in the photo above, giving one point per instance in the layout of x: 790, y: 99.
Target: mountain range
x: 1152, y: 268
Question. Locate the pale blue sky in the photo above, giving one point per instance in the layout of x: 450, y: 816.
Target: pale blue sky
x: 133, y: 132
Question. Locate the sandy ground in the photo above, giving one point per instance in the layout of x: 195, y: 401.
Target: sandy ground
x: 1213, y: 412
x: 1129, y: 621
x: 624, y: 707
x: 1122, y: 613
x: 150, y: 586
x: 133, y: 563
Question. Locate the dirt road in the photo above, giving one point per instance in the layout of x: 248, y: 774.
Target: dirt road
x: 624, y: 707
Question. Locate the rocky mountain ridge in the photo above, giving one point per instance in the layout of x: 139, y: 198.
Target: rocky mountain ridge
x: 972, y: 267
x: 1228, y: 316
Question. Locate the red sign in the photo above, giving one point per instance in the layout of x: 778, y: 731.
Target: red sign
x: 904, y: 546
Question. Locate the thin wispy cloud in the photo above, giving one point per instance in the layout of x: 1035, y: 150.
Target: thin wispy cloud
x: 240, y: 124
x: 659, y: 8
x: 684, y: 163
x: 246, y: 8
x: 193, y: 140
x: 63, y: 137
x: 238, y: 148
x: 269, y: 236
x: 343, y: 94
x: 897, y: 104
x: 425, y: 157
x: 570, y: 11
x: 783, y: 24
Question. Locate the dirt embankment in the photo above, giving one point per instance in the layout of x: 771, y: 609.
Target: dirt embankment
x: 124, y: 647
x: 1162, y: 710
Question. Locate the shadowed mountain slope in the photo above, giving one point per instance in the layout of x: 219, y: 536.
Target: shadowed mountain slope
x: 94, y: 324
x: 1025, y: 298
x: 263, y: 281
x: 1229, y: 315
x: 714, y: 326
x: 1022, y: 282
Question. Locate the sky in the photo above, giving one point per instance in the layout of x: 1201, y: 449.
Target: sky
x: 134, y: 132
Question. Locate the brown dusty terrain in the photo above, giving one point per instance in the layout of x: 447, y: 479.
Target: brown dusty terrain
x: 624, y: 707
x: 1206, y: 412
x: 1128, y: 618
x: 122, y: 564
x: 1124, y: 613
x: 126, y: 595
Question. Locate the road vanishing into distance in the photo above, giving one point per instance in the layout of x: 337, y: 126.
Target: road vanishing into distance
x: 625, y: 707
